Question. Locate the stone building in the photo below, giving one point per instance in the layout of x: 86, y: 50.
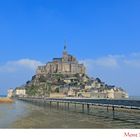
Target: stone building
x: 20, y: 91
x: 65, y: 65
x: 10, y: 93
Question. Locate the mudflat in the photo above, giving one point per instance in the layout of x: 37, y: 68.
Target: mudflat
x: 6, y: 100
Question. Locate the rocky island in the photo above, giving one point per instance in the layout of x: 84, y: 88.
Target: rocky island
x: 65, y: 77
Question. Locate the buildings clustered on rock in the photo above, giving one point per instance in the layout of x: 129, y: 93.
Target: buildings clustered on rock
x: 65, y: 77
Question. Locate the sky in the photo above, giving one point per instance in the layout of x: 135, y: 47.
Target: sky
x: 104, y: 35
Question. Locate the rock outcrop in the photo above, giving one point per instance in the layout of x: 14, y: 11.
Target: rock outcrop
x: 65, y: 77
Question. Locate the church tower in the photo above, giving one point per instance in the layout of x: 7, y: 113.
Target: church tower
x: 65, y: 54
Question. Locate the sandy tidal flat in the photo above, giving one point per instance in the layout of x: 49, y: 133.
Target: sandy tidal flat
x: 6, y: 100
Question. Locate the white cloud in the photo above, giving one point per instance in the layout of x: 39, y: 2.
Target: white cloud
x: 107, y: 62
x: 120, y: 56
x: 114, y: 61
x: 13, y: 66
x: 28, y: 63
x: 132, y: 63
x: 135, y: 54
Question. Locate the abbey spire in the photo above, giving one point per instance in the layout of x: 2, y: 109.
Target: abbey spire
x: 65, y: 48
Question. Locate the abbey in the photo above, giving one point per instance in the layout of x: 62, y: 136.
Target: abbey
x: 65, y: 65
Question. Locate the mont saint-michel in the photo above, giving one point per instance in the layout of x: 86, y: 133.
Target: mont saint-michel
x: 66, y: 77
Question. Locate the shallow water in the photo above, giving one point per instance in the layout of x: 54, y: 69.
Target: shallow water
x: 25, y: 115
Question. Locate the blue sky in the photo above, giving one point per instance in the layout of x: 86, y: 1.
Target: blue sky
x: 104, y: 35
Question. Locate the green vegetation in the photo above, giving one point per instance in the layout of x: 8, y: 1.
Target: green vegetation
x: 42, y: 79
x: 32, y: 90
x: 39, y: 90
